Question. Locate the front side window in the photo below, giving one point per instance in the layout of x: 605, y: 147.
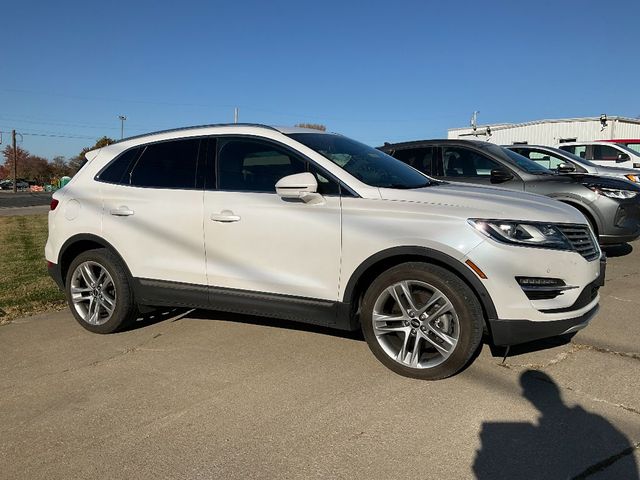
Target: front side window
x: 256, y: 166
x: 463, y: 162
x: 605, y: 152
x: 370, y: 166
x: 543, y: 158
x: 171, y: 164
x: 419, y: 158
x: 577, y: 150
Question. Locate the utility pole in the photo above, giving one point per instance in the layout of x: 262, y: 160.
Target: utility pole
x: 122, y: 119
x: 235, y: 115
x: 15, y: 162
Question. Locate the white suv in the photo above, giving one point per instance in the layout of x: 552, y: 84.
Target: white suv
x: 315, y: 227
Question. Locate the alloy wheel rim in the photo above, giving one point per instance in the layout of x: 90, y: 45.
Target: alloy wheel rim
x: 415, y: 324
x: 93, y: 293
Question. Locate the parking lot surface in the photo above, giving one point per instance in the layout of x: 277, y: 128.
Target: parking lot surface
x: 193, y: 394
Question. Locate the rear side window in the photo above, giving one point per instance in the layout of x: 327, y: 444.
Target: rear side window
x: 462, y: 162
x: 170, y: 164
x: 115, y: 171
x: 418, y: 158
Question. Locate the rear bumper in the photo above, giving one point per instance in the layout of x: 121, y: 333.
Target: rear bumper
x: 512, y: 332
x: 56, y: 273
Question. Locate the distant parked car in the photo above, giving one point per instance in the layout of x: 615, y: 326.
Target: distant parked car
x: 561, y: 161
x: 604, y: 153
x: 631, y: 143
x: 611, y: 206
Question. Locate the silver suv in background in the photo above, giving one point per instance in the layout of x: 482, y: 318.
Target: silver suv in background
x: 562, y: 161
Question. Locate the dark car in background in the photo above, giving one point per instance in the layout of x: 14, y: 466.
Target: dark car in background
x: 561, y: 161
x: 611, y: 206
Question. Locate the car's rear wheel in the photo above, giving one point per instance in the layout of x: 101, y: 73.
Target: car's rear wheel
x: 98, y: 292
x: 421, y: 321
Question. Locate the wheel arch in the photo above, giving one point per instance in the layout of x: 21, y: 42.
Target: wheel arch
x: 80, y: 243
x: 373, y: 266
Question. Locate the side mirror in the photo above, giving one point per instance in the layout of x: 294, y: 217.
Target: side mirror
x: 499, y: 175
x: 302, y: 186
x: 623, y: 157
x: 566, y: 168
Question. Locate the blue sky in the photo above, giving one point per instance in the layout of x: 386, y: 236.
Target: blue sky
x: 375, y: 71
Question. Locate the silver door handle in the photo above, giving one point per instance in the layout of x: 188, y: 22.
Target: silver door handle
x: 121, y: 211
x: 225, y: 217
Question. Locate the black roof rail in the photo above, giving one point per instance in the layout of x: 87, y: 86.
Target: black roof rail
x: 197, y: 126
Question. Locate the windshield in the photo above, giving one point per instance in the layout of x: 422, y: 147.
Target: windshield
x: 627, y: 148
x: 523, y: 163
x: 365, y: 163
x: 635, y: 146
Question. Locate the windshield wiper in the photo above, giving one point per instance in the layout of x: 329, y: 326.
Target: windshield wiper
x: 402, y: 186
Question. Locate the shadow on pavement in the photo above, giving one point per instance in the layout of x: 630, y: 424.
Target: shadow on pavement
x: 156, y: 316
x: 535, y: 346
x: 273, y: 322
x: 617, y: 250
x: 567, y: 442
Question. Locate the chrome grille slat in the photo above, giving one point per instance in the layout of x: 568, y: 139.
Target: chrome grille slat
x: 581, y: 240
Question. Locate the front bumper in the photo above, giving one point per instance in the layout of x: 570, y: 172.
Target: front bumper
x: 619, y: 219
x: 512, y: 332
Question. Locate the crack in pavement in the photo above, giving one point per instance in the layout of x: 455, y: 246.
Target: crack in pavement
x: 607, y: 462
x: 575, y: 347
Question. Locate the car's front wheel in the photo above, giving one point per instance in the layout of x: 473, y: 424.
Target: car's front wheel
x: 421, y: 321
x: 98, y: 292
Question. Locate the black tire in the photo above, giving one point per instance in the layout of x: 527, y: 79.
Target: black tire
x: 125, y: 310
x: 464, y: 301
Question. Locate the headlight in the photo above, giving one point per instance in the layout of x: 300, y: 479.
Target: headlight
x: 612, y: 192
x: 533, y: 234
x: 633, y: 177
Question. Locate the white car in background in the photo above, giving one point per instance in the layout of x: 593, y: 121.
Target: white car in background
x: 317, y: 228
x: 563, y: 161
x: 604, y: 153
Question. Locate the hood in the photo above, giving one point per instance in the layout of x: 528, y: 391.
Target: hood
x: 473, y: 201
x: 617, y: 170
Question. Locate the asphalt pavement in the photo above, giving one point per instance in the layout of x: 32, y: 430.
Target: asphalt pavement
x: 206, y: 395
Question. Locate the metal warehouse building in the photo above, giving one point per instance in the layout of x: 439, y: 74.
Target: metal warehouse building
x: 553, y: 132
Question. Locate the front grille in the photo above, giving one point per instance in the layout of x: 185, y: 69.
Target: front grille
x: 581, y: 239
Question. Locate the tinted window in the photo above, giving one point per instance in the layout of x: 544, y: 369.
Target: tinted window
x: 254, y: 166
x: 605, y: 152
x: 365, y: 163
x: 462, y: 162
x: 419, y: 158
x: 115, y: 171
x: 167, y: 165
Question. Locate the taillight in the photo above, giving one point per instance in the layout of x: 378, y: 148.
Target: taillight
x: 54, y: 203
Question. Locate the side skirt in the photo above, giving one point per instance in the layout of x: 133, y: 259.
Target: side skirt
x: 162, y: 293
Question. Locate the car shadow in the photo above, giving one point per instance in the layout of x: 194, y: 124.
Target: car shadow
x: 273, y: 322
x: 617, y: 250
